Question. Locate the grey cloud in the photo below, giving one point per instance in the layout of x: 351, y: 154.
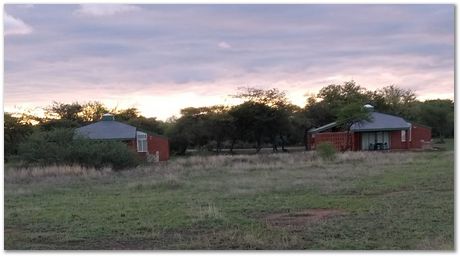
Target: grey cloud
x: 179, y: 45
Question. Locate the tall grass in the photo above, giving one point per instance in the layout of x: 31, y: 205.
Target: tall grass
x: 30, y: 174
x: 172, y: 173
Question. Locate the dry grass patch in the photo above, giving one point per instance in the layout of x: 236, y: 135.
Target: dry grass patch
x: 195, y: 165
x: 37, y: 173
x: 209, y: 211
x: 298, y: 220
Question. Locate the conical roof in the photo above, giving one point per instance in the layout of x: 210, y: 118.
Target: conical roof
x: 381, y: 122
x: 107, y: 129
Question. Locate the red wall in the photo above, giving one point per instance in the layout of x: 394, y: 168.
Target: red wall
x: 420, y: 134
x: 356, y: 141
x: 338, y: 139
x: 155, y: 143
x: 395, y: 140
x: 160, y: 144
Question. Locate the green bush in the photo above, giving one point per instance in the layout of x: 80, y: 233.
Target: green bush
x: 46, y: 148
x: 103, y: 153
x: 326, y: 151
x: 60, y: 146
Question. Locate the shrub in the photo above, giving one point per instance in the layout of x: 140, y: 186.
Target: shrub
x: 179, y: 144
x: 59, y: 146
x: 45, y: 148
x: 326, y: 151
x: 100, y: 154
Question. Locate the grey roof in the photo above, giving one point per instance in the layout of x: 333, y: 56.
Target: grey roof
x: 381, y: 122
x: 378, y: 122
x: 106, y: 130
x: 323, y: 128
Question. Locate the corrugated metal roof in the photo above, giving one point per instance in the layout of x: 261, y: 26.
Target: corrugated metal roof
x: 378, y: 122
x: 381, y: 122
x: 322, y: 128
x: 106, y: 130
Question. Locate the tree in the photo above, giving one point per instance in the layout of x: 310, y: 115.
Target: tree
x: 150, y: 124
x: 439, y: 114
x: 15, y: 131
x: 316, y: 113
x: 243, y: 121
x: 64, y: 111
x: 396, y: 101
x: 301, y: 122
x: 351, y: 114
x: 93, y: 111
x: 133, y: 117
x: 253, y: 120
x: 264, y: 114
x: 220, y: 125
x: 51, y: 124
x: 270, y: 97
x: 334, y: 97
x: 126, y: 114
x: 189, y: 129
x: 319, y: 113
x: 177, y: 140
x: 330, y: 102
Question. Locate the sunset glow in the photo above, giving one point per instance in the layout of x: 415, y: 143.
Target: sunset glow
x: 162, y: 58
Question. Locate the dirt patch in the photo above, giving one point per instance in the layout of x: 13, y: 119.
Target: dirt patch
x: 298, y: 220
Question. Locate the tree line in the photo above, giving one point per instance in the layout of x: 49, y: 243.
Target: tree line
x: 264, y: 118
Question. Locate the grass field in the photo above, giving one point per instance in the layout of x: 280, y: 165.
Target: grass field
x: 361, y: 200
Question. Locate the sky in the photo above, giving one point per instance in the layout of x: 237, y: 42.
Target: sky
x: 162, y: 58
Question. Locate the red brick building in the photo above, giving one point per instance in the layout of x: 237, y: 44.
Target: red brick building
x: 381, y: 132
x: 149, y: 146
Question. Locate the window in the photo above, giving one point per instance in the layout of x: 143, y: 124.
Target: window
x: 403, y: 135
x: 141, y: 142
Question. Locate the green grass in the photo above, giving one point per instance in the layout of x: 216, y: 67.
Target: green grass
x: 447, y: 145
x: 389, y: 200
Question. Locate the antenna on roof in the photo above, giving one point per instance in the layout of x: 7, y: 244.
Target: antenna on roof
x: 108, y: 117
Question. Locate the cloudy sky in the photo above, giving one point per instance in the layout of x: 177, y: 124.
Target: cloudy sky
x: 161, y: 58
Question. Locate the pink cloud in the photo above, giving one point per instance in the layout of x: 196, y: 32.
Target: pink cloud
x: 14, y: 26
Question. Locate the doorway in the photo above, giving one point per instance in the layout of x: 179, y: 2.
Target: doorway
x: 375, y: 141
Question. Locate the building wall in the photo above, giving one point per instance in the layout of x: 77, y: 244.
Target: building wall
x: 158, y: 144
x: 395, y: 140
x: 338, y: 139
x: 420, y: 136
x: 154, y: 144
x: 356, y: 141
x: 417, y: 138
